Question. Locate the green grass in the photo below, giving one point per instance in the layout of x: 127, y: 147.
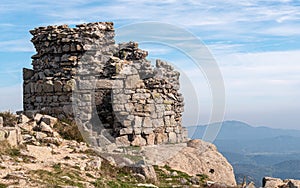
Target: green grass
x: 6, y: 149
x: 55, y: 178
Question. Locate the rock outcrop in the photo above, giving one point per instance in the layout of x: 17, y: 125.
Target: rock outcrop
x: 201, y: 157
x: 46, y: 159
x: 269, y: 182
x: 195, y: 157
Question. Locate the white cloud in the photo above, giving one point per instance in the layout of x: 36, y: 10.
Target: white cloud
x: 19, y: 45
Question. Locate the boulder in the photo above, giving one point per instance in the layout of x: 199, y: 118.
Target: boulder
x: 45, y: 128
x: 51, y: 121
x: 147, y: 171
x: 38, y: 117
x: 1, y: 121
x: 11, y: 134
x: 269, y: 182
x: 23, y: 119
x: 203, y: 158
x: 293, y: 183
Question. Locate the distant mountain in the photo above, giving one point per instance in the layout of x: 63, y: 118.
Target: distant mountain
x: 236, y: 136
x: 256, y: 152
x: 242, y: 131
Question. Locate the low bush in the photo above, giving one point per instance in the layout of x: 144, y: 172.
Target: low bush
x: 9, y: 119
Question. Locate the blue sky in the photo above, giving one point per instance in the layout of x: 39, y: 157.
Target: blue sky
x: 255, y: 43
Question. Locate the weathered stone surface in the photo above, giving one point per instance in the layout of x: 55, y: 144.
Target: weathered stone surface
x: 161, y: 138
x: 132, y: 81
x: 138, y: 141
x: 138, y: 122
x: 126, y: 131
x: 1, y: 121
x: 27, y: 73
x: 21, y: 119
x: 45, y: 128
x: 104, y: 84
x: 150, y: 139
x: 49, y: 120
x: 269, y: 182
x: 38, y: 117
x: 122, y: 141
x: 203, y: 158
x: 293, y: 183
x: 11, y: 134
x: 172, y: 137
x: 147, y: 171
x: 148, y: 123
x: 201, y: 145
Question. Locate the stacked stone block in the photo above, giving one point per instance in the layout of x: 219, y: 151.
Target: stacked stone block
x: 81, y: 73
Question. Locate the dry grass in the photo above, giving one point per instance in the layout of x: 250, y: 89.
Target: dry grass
x: 6, y: 149
x: 9, y: 119
x: 68, y: 130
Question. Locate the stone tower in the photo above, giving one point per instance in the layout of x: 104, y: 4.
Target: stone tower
x: 112, y: 90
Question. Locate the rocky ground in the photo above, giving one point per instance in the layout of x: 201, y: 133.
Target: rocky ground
x: 44, y: 152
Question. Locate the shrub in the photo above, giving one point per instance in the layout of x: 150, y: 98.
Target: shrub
x: 9, y: 119
x: 68, y: 130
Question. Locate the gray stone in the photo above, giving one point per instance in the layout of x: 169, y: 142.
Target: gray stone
x: 58, y: 86
x: 38, y: 117
x: 147, y: 171
x: 132, y: 81
x: 147, y: 122
x: 122, y: 141
x: 118, y: 107
x: 125, y: 131
x: 150, y: 139
x: 172, y: 137
x: 120, y: 98
x: 147, y: 130
x: 51, y: 121
x: 118, y: 84
x: 161, y: 138
x: 27, y: 73
x: 158, y: 122
x: 45, y: 128
x: 40, y: 135
x: 138, y: 141
x: 138, y: 122
x: 21, y: 119
x: 11, y: 134
x: 104, y: 84
x: 269, y: 182
x: 129, y: 107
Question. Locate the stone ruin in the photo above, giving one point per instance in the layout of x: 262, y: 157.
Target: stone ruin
x: 111, y: 90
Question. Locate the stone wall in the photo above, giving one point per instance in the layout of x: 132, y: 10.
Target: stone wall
x: 112, y: 90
